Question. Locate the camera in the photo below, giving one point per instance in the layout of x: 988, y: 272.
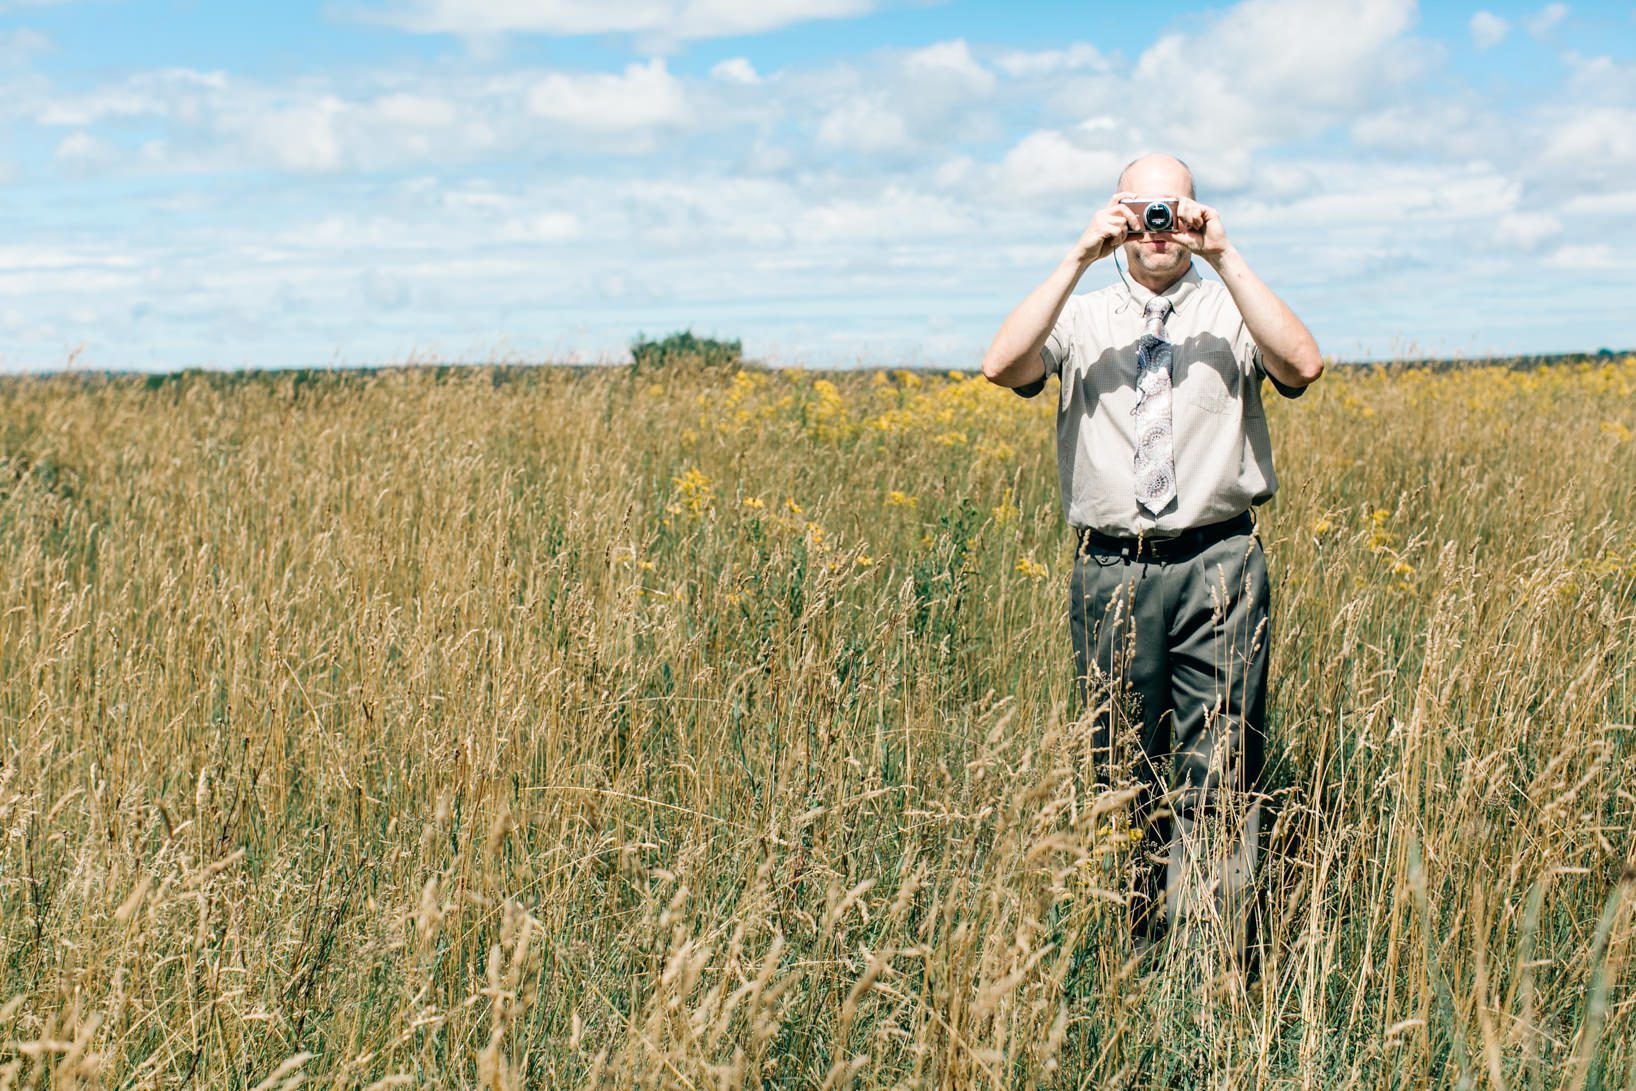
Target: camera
x: 1156, y: 213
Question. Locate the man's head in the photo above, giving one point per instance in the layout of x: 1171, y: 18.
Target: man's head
x: 1157, y: 259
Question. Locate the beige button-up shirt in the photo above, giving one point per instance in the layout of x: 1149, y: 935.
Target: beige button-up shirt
x: 1223, y: 453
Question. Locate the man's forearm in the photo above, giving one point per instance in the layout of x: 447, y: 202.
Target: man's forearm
x: 1287, y: 347
x: 1014, y: 356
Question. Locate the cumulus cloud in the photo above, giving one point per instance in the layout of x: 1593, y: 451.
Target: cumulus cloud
x: 1580, y: 257
x: 735, y: 70
x: 1268, y: 71
x: 181, y: 93
x: 1047, y: 163
x: 865, y: 125
x: 1433, y: 128
x: 1487, y: 30
x: 82, y: 152
x: 1546, y: 19
x: 301, y: 138
x: 20, y: 45
x: 1591, y: 143
x: 968, y: 165
x: 951, y: 65
x: 416, y: 111
x: 1050, y: 62
x: 643, y: 96
x: 547, y: 227
x: 678, y: 19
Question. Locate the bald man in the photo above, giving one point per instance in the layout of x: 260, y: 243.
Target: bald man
x: 1162, y: 451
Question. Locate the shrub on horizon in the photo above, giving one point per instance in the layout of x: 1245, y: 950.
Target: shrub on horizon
x: 684, y: 350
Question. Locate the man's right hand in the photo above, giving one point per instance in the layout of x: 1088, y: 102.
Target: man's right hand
x: 1109, y: 229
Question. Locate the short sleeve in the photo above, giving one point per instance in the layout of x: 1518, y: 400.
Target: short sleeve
x: 1249, y: 359
x: 1053, y: 354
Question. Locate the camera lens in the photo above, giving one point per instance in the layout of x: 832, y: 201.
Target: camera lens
x: 1158, y: 217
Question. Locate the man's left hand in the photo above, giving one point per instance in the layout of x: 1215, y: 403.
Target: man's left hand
x: 1201, y: 230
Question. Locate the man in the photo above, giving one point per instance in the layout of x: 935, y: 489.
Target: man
x: 1162, y: 450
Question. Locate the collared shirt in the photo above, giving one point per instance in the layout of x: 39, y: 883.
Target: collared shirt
x: 1223, y: 454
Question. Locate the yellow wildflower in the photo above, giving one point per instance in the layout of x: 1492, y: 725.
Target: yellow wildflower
x: 897, y: 498
x: 1030, y: 568
x: 1006, y: 512
x: 694, y: 491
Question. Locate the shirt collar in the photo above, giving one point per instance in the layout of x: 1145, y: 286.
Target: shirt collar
x: 1178, y: 293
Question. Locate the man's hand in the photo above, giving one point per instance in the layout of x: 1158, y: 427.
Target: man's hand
x: 1201, y: 230
x: 1109, y: 229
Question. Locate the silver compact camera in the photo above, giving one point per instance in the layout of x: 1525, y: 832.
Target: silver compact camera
x: 1155, y: 213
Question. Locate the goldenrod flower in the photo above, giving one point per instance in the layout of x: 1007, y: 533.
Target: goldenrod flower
x: 695, y: 492
x: 1030, y: 568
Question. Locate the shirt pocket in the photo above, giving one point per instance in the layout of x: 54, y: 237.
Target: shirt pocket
x: 1212, y: 381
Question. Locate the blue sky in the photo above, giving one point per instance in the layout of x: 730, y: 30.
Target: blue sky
x: 834, y: 181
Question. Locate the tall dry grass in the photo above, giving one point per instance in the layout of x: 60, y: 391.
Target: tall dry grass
x: 559, y: 729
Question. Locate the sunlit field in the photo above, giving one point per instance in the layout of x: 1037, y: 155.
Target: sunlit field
x: 562, y: 729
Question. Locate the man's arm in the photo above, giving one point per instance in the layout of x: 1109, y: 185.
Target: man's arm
x: 1013, y: 358
x: 1288, y: 350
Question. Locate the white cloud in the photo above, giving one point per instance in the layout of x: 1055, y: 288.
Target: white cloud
x: 1595, y: 142
x: 1046, y: 163
x: 735, y: 70
x: 1487, y: 30
x: 1602, y: 79
x: 949, y: 63
x: 416, y: 111
x: 866, y: 125
x: 1271, y: 71
x: 166, y: 92
x: 679, y: 19
x: 19, y: 45
x: 1578, y: 257
x: 644, y: 96
x: 1546, y: 19
x: 1077, y: 57
x: 896, y: 213
x: 1415, y: 200
x: 967, y: 181
x: 80, y: 152
x: 1528, y: 230
x: 1434, y: 128
x: 301, y: 138
x: 16, y: 259
x: 547, y: 227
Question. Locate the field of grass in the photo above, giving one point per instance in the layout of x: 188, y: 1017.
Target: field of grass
x: 562, y: 729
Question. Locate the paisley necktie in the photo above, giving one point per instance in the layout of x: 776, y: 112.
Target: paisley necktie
x: 1155, y: 462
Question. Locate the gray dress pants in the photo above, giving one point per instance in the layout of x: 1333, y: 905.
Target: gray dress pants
x: 1172, y: 659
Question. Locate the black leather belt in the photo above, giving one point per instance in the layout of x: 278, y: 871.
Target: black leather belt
x: 1185, y: 544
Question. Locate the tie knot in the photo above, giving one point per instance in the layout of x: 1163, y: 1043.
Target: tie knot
x: 1158, y: 307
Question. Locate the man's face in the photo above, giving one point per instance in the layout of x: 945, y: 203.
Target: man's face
x: 1158, y: 255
